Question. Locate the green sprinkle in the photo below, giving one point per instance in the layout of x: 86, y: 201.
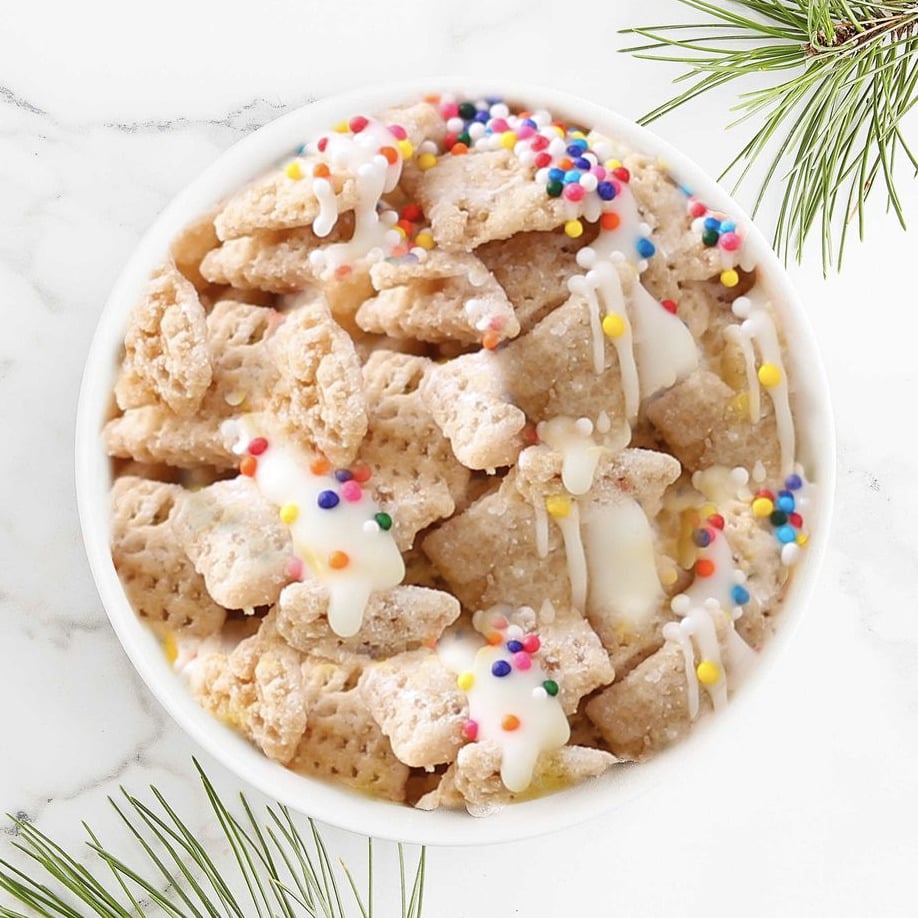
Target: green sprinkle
x: 554, y: 189
x: 550, y: 686
x: 384, y: 521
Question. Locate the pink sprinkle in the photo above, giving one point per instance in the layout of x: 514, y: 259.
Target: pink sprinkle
x: 496, y: 323
x: 522, y: 660
x: 599, y: 172
x: 499, y: 622
x: 258, y: 446
x: 730, y: 242
x: 449, y: 110
x: 525, y: 131
x: 294, y: 568
x: 470, y: 729
x: 499, y: 125
x: 531, y: 643
x: 351, y: 491
x: 617, y: 186
x: 574, y: 192
x: 397, y: 131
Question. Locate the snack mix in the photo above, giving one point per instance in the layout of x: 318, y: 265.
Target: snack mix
x: 454, y: 458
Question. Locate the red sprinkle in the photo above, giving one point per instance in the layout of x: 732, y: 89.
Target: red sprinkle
x: 411, y: 212
x: 342, y: 271
x: 361, y: 472
x: 294, y: 568
x: 716, y: 520
x: 322, y: 144
x: 531, y: 643
x: 539, y: 143
x: 542, y: 160
x: 530, y: 435
x: 258, y: 446
x: 698, y: 209
x: 670, y: 306
x: 470, y: 730
x: 358, y: 123
x: 764, y: 492
x: 795, y: 519
x: 622, y: 174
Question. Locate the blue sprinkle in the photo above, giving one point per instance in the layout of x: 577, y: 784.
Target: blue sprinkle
x: 482, y: 117
x: 686, y: 190
x: 727, y: 226
x: 582, y: 163
x: 555, y: 175
x: 645, y: 248
x: 571, y: 176
x: 301, y: 149
x: 786, y: 503
x: 712, y: 223
x: 786, y: 534
x: 530, y: 123
x: 493, y: 100
x: 740, y: 595
x: 514, y: 646
x: 344, y: 474
x: 328, y: 500
x: 606, y: 190
x: 793, y: 482
x: 702, y: 538
x: 573, y: 150
x: 500, y: 668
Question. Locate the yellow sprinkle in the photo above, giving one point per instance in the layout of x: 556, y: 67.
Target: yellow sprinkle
x: 400, y: 230
x: 613, y: 325
x: 613, y: 163
x: 465, y: 681
x: 289, y: 513
x: 578, y: 135
x: 406, y: 148
x: 426, y: 161
x: 574, y: 229
x: 769, y: 375
x: 669, y: 577
x: 802, y: 538
x: 558, y: 506
x: 708, y: 672
x: 341, y: 127
x: 729, y: 278
x: 294, y: 171
x: 762, y: 506
x: 424, y: 240
x: 508, y: 139
x: 708, y: 510
x: 170, y: 647
x: 558, y: 130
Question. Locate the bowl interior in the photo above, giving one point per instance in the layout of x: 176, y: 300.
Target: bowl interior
x: 327, y: 802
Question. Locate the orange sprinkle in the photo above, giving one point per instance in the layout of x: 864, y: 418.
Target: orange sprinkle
x: 494, y: 638
x: 248, y: 466
x: 319, y: 466
x: 704, y: 568
x: 610, y: 220
x: 458, y: 149
x: 320, y: 170
x: 390, y: 153
x: 338, y: 560
x: 406, y: 225
x: 490, y: 340
x: 566, y: 164
x: 524, y: 114
x: 433, y: 98
x: 510, y: 722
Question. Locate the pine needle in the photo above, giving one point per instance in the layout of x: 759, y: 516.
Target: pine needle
x: 281, y: 874
x: 845, y: 74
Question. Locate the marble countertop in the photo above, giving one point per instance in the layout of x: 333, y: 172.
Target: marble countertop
x: 811, y: 810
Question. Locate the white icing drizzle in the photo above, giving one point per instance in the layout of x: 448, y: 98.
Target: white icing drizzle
x: 541, y: 529
x: 514, y: 710
x: 373, y: 561
x: 573, y: 439
x: 623, y: 578
x: 759, y: 328
x: 576, y: 557
x: 325, y: 222
x: 735, y: 333
x: 720, y: 484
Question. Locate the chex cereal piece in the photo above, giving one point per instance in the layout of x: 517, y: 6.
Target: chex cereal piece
x: 166, y: 360
x: 189, y: 248
x: 257, y: 689
x: 416, y: 477
x: 473, y: 199
x: 236, y: 541
x: 534, y: 268
x: 421, y: 121
x: 343, y: 741
x: 414, y: 699
x: 318, y: 396
x: 648, y: 709
x: 468, y: 399
x: 704, y: 424
x: 243, y: 374
x: 447, y: 297
x: 395, y: 620
x: 158, y: 577
x: 474, y: 780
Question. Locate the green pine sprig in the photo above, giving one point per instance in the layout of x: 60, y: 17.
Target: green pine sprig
x: 278, y: 870
x: 844, y: 75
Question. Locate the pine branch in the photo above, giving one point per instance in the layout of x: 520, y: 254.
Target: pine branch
x: 829, y: 127
x: 283, y: 874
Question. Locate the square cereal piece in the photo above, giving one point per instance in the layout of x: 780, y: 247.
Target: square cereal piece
x: 166, y: 359
x: 474, y: 780
x: 343, y: 741
x: 446, y: 297
x: 478, y: 197
x: 236, y: 541
x: 318, y: 396
x: 415, y: 701
x: 704, y: 424
x: 259, y: 689
x: 191, y: 245
x: 243, y: 374
x: 395, y: 620
x: 534, y: 268
x: 158, y: 577
x: 416, y: 477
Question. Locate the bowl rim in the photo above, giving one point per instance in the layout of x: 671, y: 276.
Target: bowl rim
x: 328, y: 803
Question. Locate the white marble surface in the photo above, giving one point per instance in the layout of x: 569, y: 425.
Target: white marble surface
x: 106, y: 110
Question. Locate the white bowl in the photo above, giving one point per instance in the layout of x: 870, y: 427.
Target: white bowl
x: 337, y: 805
